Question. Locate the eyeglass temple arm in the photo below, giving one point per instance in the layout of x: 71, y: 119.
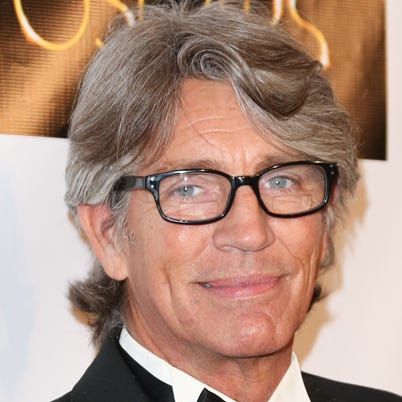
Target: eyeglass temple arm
x: 125, y: 184
x: 128, y: 183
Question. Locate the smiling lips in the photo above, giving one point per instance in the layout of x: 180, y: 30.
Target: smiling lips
x: 239, y: 288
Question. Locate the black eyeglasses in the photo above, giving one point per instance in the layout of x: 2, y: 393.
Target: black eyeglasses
x: 198, y: 196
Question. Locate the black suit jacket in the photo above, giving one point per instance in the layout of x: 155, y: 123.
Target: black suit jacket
x: 114, y: 377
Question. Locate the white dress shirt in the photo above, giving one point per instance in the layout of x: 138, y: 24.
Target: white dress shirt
x: 187, y: 388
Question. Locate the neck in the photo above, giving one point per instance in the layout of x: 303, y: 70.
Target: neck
x: 244, y: 379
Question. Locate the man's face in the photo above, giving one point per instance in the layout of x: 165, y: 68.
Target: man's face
x: 233, y: 288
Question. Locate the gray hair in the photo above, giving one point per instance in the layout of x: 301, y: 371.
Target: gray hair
x: 125, y: 113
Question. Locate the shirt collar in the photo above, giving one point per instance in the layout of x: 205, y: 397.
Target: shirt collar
x: 187, y: 388
x: 291, y: 387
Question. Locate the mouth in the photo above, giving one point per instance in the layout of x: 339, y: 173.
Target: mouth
x: 241, y: 288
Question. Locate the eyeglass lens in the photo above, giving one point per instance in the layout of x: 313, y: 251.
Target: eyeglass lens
x: 198, y: 196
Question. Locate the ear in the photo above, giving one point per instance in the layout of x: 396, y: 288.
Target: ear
x: 93, y: 219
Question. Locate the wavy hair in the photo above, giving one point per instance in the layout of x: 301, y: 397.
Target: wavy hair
x: 125, y: 112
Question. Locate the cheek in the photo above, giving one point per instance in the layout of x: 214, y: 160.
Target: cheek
x: 162, y: 267
x: 162, y: 252
x: 177, y: 245
x: 304, y: 238
x: 305, y: 241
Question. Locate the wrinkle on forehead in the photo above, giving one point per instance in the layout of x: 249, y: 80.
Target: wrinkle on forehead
x: 207, y: 102
x: 211, y: 131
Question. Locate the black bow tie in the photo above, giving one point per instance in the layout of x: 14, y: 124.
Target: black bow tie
x: 207, y: 396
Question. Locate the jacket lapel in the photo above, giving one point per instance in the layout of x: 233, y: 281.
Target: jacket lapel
x: 316, y: 391
x: 109, y: 379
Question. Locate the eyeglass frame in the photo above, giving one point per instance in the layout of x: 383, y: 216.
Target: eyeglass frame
x: 151, y: 183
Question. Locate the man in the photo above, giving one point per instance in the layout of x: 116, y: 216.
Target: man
x: 209, y: 163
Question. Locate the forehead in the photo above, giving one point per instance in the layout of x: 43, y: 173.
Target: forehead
x: 211, y: 131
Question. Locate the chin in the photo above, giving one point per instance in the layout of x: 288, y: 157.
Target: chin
x: 258, y: 339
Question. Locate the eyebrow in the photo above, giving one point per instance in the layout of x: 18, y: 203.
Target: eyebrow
x: 213, y: 164
x: 190, y: 164
x: 272, y: 160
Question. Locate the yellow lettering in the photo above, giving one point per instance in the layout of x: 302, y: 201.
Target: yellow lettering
x: 33, y: 37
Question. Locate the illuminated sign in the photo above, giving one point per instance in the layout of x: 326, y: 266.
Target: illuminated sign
x: 46, y: 44
x: 33, y: 37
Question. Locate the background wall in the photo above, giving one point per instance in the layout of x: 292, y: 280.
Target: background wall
x: 353, y: 335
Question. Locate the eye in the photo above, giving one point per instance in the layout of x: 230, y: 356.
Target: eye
x: 278, y: 182
x: 186, y: 190
x: 193, y: 188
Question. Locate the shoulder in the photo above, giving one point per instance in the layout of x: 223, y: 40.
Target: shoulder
x: 324, y: 389
x: 107, y: 379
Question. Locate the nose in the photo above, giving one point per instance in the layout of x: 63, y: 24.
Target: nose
x: 246, y: 227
